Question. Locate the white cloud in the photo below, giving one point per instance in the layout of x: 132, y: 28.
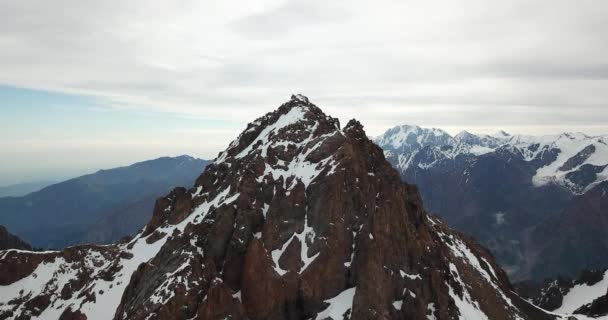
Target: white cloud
x: 477, y: 63
x: 231, y: 58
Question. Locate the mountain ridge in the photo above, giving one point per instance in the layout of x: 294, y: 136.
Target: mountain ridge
x: 528, y: 146
x: 78, y: 204
x: 10, y: 241
x: 297, y: 218
x: 502, y: 188
x: 22, y: 189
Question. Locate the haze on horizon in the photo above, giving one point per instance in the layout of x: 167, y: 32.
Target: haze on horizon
x: 99, y: 84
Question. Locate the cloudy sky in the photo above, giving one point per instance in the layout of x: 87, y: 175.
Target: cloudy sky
x: 94, y: 84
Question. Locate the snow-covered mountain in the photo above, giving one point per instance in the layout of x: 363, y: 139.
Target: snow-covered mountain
x: 575, y: 161
x: 297, y: 219
x: 407, y: 138
x: 501, y: 187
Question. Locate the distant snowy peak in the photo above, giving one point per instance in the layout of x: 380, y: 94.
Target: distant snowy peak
x: 465, y: 137
x: 574, y: 160
x: 580, y: 164
x: 407, y: 137
x: 501, y: 134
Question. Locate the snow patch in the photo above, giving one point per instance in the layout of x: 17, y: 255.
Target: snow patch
x: 307, y: 233
x: 431, y: 308
x: 582, y: 294
x: 410, y: 276
x: 338, y: 305
x: 468, y: 308
x: 295, y: 115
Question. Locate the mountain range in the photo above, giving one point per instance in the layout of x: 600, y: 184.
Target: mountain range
x: 538, y: 202
x: 10, y: 241
x: 299, y: 218
x: 96, y: 208
x: 21, y: 189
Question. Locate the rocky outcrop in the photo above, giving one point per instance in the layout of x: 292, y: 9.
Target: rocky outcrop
x: 296, y: 219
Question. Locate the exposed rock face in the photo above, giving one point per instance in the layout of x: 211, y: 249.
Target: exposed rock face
x: 297, y: 219
x: 10, y: 241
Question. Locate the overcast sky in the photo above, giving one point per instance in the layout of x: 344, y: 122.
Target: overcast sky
x: 93, y: 84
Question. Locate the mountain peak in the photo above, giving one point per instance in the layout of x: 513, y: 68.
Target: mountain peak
x: 354, y: 125
x: 293, y: 124
x: 502, y: 134
x: 296, y: 219
x: 406, y: 137
x: 299, y: 97
x: 464, y: 135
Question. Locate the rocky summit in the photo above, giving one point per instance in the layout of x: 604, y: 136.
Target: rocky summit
x: 297, y: 219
